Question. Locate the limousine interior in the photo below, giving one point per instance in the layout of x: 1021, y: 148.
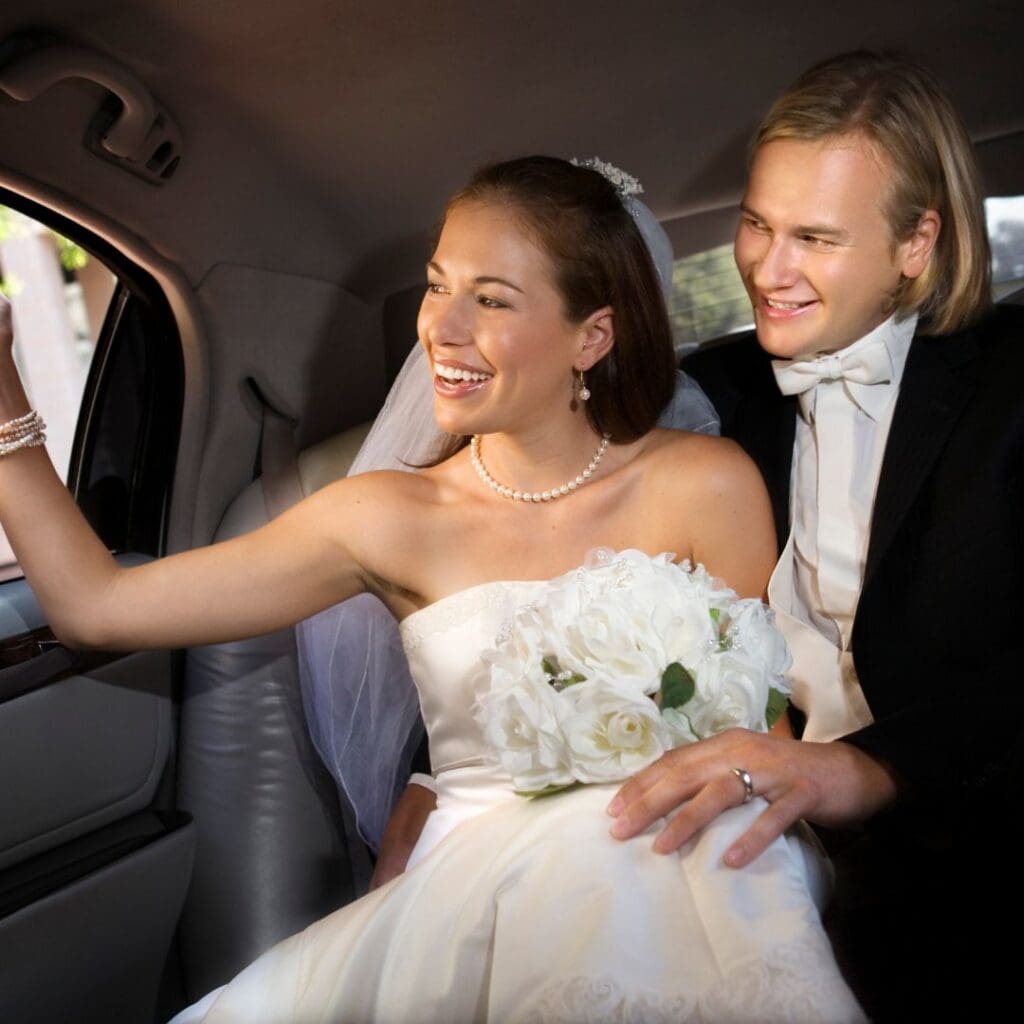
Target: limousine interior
x: 213, y: 224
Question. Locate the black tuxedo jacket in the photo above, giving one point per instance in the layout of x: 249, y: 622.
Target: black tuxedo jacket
x: 938, y: 637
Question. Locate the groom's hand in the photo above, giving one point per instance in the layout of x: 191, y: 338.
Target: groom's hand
x: 833, y: 784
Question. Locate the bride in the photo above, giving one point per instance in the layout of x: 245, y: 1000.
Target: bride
x: 545, y: 330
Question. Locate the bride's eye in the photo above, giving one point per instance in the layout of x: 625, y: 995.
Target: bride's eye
x: 491, y: 303
x: 436, y: 288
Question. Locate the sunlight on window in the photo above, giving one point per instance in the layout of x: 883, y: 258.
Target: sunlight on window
x: 59, y: 296
x: 1005, y: 217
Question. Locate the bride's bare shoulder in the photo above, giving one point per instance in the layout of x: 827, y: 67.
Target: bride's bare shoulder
x: 697, y: 465
x: 388, y: 488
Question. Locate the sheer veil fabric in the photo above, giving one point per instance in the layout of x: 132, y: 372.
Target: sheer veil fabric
x: 359, y: 698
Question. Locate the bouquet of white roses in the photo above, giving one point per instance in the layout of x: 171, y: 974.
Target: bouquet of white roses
x: 622, y: 660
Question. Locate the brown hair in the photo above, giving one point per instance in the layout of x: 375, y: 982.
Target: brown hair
x: 600, y: 259
x: 900, y: 110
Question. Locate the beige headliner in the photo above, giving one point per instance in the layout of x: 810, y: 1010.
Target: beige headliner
x: 321, y: 136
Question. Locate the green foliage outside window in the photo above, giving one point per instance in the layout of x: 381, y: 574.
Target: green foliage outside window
x: 72, y: 257
x: 708, y: 297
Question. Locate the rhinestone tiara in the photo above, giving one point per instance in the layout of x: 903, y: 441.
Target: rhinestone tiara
x: 625, y: 184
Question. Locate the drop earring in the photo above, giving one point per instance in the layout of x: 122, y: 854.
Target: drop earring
x: 580, y: 392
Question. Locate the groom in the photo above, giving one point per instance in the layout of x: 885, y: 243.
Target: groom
x: 881, y: 398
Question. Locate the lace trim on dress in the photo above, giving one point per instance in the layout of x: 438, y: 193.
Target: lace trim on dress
x: 796, y: 983
x: 452, y: 611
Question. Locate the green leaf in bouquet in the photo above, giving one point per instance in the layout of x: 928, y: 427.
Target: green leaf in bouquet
x: 721, y: 628
x: 536, y: 794
x: 550, y: 665
x: 777, y: 704
x: 677, y: 686
x: 570, y: 681
x: 559, y: 679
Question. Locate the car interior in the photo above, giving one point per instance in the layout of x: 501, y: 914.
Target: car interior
x: 215, y: 222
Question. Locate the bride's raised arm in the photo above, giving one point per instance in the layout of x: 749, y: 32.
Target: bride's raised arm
x: 316, y: 554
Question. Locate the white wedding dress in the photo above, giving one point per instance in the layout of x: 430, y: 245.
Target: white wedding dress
x: 516, y: 910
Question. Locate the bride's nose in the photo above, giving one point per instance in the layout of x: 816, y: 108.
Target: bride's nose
x: 445, y: 323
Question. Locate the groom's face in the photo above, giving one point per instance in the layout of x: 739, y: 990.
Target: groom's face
x: 813, y: 244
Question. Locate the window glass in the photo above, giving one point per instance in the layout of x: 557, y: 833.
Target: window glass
x: 59, y: 296
x: 1005, y: 217
x: 708, y: 298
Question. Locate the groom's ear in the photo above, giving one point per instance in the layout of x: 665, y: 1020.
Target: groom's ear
x: 597, y: 335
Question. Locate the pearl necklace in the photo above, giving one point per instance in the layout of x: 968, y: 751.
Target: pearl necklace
x: 555, y: 492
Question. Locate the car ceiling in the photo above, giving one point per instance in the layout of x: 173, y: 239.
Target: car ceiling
x: 322, y: 136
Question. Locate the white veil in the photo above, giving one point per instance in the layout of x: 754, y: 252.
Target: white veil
x: 360, y: 700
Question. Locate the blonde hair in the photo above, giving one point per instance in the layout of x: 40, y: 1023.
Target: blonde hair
x: 900, y: 110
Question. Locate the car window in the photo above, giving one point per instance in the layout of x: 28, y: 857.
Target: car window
x: 708, y: 297
x: 59, y: 295
x: 1005, y: 218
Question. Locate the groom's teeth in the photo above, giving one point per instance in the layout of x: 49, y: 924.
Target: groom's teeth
x: 784, y: 305
x: 456, y: 373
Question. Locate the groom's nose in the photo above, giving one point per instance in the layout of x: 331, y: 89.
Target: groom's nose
x: 775, y: 265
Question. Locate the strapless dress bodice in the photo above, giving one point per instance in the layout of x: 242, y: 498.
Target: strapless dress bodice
x: 444, y: 642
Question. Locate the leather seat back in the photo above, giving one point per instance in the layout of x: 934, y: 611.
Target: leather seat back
x: 275, y: 849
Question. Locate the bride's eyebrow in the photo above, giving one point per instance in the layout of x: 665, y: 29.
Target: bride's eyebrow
x: 438, y: 269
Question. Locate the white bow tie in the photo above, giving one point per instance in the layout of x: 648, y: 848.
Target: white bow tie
x: 862, y: 365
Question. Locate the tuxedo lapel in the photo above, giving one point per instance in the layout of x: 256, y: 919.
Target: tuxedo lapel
x: 932, y: 395
x: 767, y: 433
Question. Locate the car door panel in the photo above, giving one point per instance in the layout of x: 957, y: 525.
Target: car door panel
x: 93, y: 949
x: 107, y: 737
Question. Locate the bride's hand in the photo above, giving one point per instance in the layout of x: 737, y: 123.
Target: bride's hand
x: 6, y: 326
x: 833, y: 784
x: 402, y: 832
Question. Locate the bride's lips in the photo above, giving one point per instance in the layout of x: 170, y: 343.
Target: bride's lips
x: 457, y: 389
x: 449, y: 388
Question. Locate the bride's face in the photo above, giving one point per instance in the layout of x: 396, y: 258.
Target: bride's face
x: 492, y: 322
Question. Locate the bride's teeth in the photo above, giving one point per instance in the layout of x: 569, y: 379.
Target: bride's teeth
x: 784, y: 305
x: 457, y: 373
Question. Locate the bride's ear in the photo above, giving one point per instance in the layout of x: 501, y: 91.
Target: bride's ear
x: 597, y: 335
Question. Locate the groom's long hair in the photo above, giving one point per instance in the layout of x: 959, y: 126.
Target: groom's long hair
x: 899, y: 108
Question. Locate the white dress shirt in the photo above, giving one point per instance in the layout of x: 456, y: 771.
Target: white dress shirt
x: 837, y: 458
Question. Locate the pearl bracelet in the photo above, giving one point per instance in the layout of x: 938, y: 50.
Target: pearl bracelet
x: 28, y: 431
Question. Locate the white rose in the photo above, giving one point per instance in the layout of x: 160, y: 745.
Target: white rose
x: 613, y: 734
x: 731, y: 692
x: 522, y: 724
x: 753, y: 632
x: 627, y: 618
x: 617, y: 639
